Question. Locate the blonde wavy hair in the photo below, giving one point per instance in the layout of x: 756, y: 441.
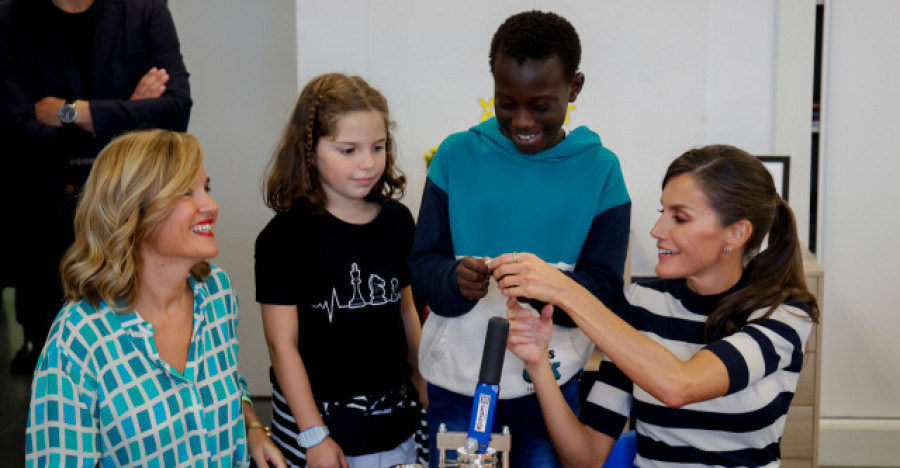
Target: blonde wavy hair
x: 133, y: 186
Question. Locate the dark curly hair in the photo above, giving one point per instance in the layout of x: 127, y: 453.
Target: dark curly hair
x: 538, y: 35
x: 292, y: 174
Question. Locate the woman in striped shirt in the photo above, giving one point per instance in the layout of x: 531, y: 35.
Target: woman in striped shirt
x: 704, y: 360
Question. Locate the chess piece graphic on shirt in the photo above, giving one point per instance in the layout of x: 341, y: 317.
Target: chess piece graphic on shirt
x: 357, y: 300
x: 395, y: 291
x: 376, y: 290
x: 377, y: 294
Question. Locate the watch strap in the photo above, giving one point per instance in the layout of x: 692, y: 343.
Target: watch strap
x: 310, y: 437
x: 68, y: 113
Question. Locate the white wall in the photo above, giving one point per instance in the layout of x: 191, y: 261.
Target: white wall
x: 242, y: 60
x: 860, y: 163
x: 661, y: 77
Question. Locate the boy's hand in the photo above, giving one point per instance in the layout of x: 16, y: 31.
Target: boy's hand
x: 472, y: 277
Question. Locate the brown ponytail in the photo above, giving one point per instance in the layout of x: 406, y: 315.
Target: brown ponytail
x: 739, y: 187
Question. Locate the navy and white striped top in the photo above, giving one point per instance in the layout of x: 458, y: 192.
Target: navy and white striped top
x: 743, y: 427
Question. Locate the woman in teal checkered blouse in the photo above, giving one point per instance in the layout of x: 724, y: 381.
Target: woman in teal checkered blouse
x: 140, y: 367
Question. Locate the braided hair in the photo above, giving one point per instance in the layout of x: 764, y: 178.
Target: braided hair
x: 292, y: 174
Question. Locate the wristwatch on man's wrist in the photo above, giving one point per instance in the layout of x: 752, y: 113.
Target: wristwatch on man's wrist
x: 312, y: 436
x: 68, y: 113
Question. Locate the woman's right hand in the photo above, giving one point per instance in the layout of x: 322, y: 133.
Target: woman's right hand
x: 525, y: 275
x: 326, y: 454
x: 529, y: 336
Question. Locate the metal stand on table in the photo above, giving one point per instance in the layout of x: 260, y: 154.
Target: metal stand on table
x: 467, y: 458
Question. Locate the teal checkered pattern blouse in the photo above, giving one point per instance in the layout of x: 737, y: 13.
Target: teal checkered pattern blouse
x: 101, y: 395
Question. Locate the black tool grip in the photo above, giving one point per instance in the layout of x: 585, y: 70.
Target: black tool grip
x: 494, y: 351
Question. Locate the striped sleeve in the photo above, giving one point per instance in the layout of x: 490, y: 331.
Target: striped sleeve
x: 608, y: 405
x: 764, y: 347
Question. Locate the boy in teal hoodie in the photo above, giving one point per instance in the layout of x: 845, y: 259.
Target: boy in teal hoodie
x: 516, y: 183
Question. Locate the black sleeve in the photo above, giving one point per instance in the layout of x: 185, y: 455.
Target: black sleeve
x: 276, y: 268
x: 601, y: 262
x: 407, y: 231
x: 432, y: 262
x: 18, y: 124
x: 155, y: 28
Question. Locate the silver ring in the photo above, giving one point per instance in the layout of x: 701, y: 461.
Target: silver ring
x: 515, y: 258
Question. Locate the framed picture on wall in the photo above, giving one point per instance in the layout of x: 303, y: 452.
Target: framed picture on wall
x: 780, y: 168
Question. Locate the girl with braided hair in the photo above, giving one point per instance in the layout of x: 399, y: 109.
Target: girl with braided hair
x: 333, y: 283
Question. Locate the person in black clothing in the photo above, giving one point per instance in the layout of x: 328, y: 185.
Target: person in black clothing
x: 334, y: 287
x: 73, y: 75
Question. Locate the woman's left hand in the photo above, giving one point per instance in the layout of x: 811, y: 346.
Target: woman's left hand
x: 262, y: 450
x: 529, y: 336
x: 525, y: 275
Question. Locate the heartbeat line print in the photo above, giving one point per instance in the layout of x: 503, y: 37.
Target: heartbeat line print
x: 377, y: 294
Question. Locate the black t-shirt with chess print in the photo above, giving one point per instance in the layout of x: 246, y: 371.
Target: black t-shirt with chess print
x: 345, y: 280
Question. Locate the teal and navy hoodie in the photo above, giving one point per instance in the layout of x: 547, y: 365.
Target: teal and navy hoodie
x: 568, y: 205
